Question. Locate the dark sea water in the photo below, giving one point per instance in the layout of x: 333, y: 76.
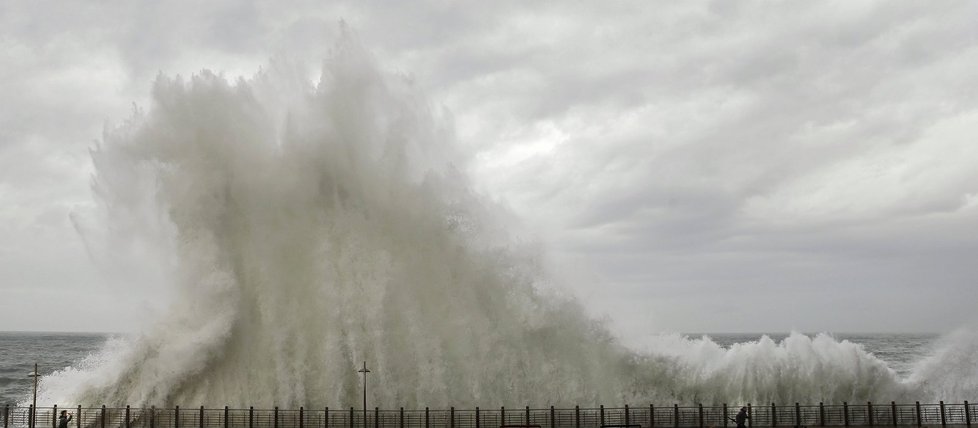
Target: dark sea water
x: 50, y: 351
x: 55, y: 351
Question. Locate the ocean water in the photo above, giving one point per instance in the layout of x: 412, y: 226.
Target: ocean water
x: 50, y: 351
x: 54, y: 352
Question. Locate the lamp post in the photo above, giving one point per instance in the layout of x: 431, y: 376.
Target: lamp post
x: 364, y: 371
x: 33, y: 415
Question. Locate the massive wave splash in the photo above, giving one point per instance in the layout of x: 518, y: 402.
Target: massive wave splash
x: 305, y: 227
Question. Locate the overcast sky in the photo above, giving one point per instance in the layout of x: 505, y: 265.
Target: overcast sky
x: 697, y: 166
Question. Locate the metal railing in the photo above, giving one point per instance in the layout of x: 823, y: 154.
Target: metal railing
x: 651, y: 416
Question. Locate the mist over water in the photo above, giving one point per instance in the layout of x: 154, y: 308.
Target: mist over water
x: 305, y: 227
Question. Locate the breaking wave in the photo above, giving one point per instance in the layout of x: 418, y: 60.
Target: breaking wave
x: 304, y: 227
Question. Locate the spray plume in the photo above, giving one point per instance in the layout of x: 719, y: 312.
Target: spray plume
x: 307, y: 227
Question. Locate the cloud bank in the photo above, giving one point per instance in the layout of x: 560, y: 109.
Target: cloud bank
x: 705, y: 166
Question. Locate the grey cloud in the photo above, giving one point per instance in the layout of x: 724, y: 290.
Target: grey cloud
x: 691, y: 152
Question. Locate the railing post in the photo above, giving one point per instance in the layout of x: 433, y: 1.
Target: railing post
x: 675, y: 415
x: 869, y: 412
x: 176, y: 417
x: 725, y: 417
x: 893, y: 410
x: 427, y: 423
x: 400, y: 418
x: 200, y: 418
x: 700, y: 408
x: 750, y: 415
x: 6, y: 416
x: 152, y: 416
x: 377, y: 417
x: 651, y: 415
x: 919, y: 421
x: 301, y: 417
x: 30, y: 416
x: 601, y: 418
x: 845, y: 413
x: 54, y: 417
x: 103, y: 416
x: 943, y: 418
x: 967, y: 414
x: 774, y: 415
x: 627, y: 418
x: 553, y: 416
x: 251, y: 416
x: 577, y: 416
x: 451, y: 417
x: 275, y: 417
x: 326, y: 417
x: 527, y: 416
x: 127, y: 416
x: 227, y: 413
x: 79, y: 418
x: 797, y: 415
x: 821, y: 414
x: 353, y: 415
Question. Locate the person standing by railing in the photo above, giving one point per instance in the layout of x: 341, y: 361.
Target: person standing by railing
x: 63, y: 419
x: 740, y: 419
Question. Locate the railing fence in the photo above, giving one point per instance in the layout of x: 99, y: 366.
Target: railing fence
x: 651, y: 416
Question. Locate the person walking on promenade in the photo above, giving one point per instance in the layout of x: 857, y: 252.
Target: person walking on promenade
x: 741, y: 418
x: 63, y: 419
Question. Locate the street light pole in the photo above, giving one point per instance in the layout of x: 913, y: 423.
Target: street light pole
x: 364, y: 371
x: 33, y: 418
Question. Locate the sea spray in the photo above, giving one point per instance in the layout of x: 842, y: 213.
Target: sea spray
x: 312, y: 227
x: 950, y: 373
x: 800, y: 368
x: 304, y: 228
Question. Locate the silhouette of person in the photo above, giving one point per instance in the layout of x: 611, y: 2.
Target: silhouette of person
x: 63, y: 419
x: 740, y: 419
